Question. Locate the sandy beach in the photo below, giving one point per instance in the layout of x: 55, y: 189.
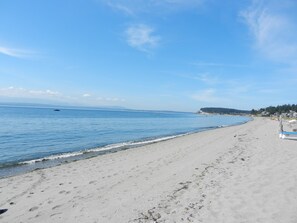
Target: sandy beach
x: 236, y: 174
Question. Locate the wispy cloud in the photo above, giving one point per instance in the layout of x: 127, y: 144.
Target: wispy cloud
x: 120, y: 7
x: 142, y: 37
x: 91, y: 97
x: 55, y: 96
x: 202, y: 77
x: 207, y: 78
x: 27, y: 93
x: 133, y: 7
x: 212, y: 64
x: 110, y: 99
x: 273, y: 28
x: 208, y: 96
x: 86, y: 95
x: 18, y: 53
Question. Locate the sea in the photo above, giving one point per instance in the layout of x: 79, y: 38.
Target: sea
x: 33, y: 138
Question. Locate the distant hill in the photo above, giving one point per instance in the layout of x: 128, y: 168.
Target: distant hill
x: 227, y: 111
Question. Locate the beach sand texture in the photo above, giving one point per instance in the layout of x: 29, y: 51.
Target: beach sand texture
x: 236, y: 174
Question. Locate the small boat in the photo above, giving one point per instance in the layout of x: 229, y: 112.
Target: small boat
x: 56, y: 109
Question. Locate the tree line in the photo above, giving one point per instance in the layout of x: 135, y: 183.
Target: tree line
x: 229, y: 111
x: 275, y: 109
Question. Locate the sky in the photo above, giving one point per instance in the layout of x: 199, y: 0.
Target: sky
x: 176, y: 55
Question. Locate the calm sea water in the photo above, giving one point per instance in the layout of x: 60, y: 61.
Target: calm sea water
x: 30, y: 136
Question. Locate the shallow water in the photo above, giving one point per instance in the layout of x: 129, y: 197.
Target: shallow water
x: 29, y: 135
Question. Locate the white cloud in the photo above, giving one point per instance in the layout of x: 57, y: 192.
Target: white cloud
x: 46, y: 92
x: 142, y: 37
x: 207, y: 78
x: 18, y: 53
x: 86, y: 95
x: 273, y: 28
x: 55, y: 96
x: 26, y: 93
x: 120, y: 7
x: 132, y: 7
x: 212, y: 64
x: 202, y: 77
x: 110, y: 99
x: 207, y: 95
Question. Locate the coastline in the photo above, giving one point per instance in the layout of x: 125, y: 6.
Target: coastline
x: 243, y: 173
x: 63, y: 158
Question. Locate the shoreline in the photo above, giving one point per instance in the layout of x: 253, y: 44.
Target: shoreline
x: 22, y: 167
x: 243, y: 173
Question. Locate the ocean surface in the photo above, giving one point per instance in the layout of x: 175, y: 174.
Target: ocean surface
x: 33, y: 138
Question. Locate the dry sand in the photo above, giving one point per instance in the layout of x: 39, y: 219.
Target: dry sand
x: 237, y: 174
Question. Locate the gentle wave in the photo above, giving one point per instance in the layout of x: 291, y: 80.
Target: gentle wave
x: 115, y: 146
x: 100, y: 149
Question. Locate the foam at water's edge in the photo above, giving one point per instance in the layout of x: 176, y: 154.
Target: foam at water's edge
x: 100, y: 149
x: 115, y: 146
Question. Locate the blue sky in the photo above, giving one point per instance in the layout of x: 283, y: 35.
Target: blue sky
x: 149, y: 54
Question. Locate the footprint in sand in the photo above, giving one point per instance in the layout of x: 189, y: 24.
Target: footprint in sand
x: 55, y: 207
x: 33, y: 208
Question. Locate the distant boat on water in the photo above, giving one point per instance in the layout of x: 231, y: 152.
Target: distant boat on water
x: 56, y: 109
